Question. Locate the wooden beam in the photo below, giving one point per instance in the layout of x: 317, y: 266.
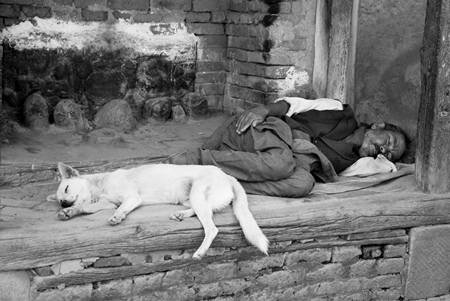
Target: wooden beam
x: 433, y: 133
x: 339, y: 49
x: 31, y: 241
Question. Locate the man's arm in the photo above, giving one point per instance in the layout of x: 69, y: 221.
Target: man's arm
x: 284, y: 106
x: 257, y: 115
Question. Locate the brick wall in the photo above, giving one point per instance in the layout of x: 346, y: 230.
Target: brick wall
x: 250, y: 51
x: 365, y: 266
x: 206, y: 19
x: 270, y: 51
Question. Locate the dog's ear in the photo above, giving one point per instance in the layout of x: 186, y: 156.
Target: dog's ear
x: 67, y: 171
x: 52, y: 198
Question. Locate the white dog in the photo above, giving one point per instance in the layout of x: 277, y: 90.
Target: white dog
x: 202, y: 188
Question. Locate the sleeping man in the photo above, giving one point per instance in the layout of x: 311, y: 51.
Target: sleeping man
x: 281, y: 149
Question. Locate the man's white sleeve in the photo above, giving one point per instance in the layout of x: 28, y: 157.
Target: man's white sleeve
x: 300, y: 105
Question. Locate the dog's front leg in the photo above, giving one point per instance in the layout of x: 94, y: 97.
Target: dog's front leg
x: 129, y: 204
x: 69, y: 212
x: 94, y: 207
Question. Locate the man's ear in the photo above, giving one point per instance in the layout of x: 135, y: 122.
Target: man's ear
x: 378, y: 126
x: 66, y: 171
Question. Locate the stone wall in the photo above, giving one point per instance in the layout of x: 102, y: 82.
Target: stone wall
x: 92, y: 52
x: 366, y: 266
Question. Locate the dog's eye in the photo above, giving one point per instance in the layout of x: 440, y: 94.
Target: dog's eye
x: 67, y: 188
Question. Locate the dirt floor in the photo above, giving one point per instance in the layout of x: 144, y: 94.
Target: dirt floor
x: 151, y: 139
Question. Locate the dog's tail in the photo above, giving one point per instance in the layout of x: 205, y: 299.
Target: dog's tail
x: 248, y: 224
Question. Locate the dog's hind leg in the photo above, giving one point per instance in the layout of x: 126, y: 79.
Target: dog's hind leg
x: 204, y: 212
x: 129, y: 204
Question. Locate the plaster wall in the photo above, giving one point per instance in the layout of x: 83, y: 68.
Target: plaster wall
x: 387, y: 81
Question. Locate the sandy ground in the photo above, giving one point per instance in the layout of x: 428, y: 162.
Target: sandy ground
x: 67, y: 146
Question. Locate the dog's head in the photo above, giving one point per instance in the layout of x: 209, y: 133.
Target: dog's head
x: 73, y: 189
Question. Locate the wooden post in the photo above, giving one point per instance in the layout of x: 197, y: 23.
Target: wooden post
x: 433, y: 132
x: 340, y: 48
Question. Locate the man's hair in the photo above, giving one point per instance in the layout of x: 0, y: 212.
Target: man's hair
x: 409, y: 154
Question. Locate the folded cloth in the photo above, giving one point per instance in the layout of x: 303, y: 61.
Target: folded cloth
x: 368, y: 166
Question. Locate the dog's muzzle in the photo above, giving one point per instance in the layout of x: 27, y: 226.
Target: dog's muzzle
x: 65, y: 204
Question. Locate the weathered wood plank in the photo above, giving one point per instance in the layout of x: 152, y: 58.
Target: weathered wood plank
x: 433, y: 134
x: 149, y: 229
x: 339, y: 45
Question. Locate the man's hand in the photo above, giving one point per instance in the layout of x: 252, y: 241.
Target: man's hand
x: 251, y: 117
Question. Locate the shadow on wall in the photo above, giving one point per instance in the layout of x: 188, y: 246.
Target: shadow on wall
x: 387, y: 75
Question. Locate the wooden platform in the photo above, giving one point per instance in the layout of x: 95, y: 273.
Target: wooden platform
x: 33, y: 236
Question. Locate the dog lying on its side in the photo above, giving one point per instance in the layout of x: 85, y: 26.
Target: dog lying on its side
x: 204, y: 189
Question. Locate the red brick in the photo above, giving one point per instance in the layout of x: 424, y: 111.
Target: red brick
x: 394, y: 251
x: 219, y: 41
x: 63, y: 2
x: 10, y: 21
x: 206, y: 29
x: 210, y: 89
x: 218, y: 17
x: 238, y: 6
x: 23, y: 2
x: 253, y: 82
x: 209, y: 5
x: 197, y: 17
x: 247, y: 30
x: 89, y: 15
x: 245, y: 93
x: 129, y: 4
x: 9, y: 11
x: 210, y: 66
x: 210, y: 78
x: 256, y: 6
x: 34, y: 11
x: 211, y: 54
x: 87, y: 3
x: 244, y: 18
x: 148, y: 18
x: 247, y: 43
x: 120, y: 15
x: 171, y: 5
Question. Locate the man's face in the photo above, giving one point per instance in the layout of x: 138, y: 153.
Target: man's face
x: 379, y: 141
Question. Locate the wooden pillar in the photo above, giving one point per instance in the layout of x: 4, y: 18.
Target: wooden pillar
x: 342, y: 41
x: 433, y: 132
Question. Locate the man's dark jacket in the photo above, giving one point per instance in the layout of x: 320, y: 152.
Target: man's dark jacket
x: 326, y: 130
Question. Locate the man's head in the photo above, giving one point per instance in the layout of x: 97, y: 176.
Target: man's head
x: 386, y: 139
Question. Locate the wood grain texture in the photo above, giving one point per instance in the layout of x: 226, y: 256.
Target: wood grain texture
x: 433, y: 133
x: 340, y: 43
x: 47, y: 240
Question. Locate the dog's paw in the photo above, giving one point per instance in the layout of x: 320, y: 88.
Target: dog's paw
x: 177, y: 216
x: 198, y: 255
x: 65, y: 213
x: 116, y: 219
